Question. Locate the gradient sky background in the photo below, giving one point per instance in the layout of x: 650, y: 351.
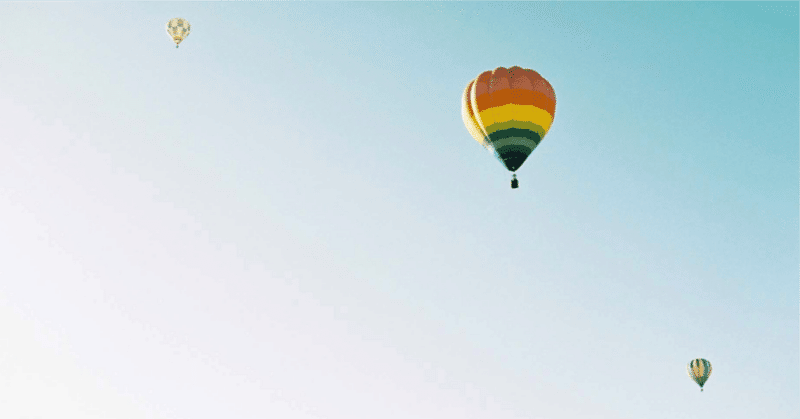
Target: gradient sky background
x: 286, y: 217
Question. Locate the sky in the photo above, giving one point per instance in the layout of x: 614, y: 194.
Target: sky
x: 286, y: 217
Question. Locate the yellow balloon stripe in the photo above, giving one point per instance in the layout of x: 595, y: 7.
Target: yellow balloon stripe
x: 513, y: 112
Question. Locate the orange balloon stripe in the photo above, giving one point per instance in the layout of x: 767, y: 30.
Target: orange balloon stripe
x: 517, y: 97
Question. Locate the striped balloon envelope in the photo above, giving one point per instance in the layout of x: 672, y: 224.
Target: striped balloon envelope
x: 509, y: 111
x: 699, y: 370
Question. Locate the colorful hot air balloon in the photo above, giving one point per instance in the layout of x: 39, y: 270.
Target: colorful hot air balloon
x: 699, y: 369
x: 509, y: 111
x: 178, y: 29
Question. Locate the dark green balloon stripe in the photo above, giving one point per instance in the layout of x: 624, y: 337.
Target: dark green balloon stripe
x: 513, y: 156
x: 510, y: 154
x: 515, y: 132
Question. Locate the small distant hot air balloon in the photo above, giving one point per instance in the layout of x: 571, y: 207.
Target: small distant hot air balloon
x: 699, y: 370
x: 509, y: 111
x: 178, y: 29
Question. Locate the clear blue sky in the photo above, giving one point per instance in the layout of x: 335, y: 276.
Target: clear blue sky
x: 286, y: 217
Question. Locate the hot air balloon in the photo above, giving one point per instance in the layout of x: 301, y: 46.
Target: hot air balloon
x: 509, y: 111
x: 178, y: 29
x: 699, y: 369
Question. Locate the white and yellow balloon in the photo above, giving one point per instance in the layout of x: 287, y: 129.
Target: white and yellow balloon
x: 178, y: 29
